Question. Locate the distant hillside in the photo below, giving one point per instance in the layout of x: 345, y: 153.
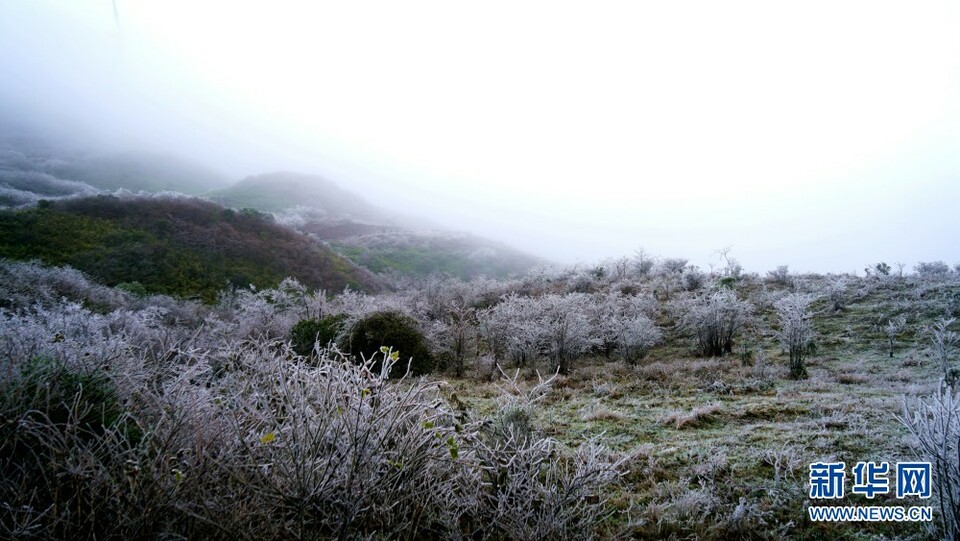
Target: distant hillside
x: 32, y: 169
x: 137, y: 171
x: 422, y: 254
x: 370, y: 236
x: 180, y: 246
x: 275, y: 192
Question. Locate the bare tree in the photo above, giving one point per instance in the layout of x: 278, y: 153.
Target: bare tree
x: 731, y: 268
x: 642, y: 263
x: 942, y: 343
x: 454, y: 331
x: 619, y: 268
x: 796, y: 330
x: 892, y: 330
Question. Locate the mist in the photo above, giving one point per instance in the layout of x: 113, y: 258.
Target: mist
x: 822, y: 136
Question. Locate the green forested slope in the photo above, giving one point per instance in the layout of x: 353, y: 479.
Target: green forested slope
x: 179, y: 246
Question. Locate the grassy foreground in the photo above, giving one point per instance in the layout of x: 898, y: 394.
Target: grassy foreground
x: 719, y: 450
x: 720, y: 447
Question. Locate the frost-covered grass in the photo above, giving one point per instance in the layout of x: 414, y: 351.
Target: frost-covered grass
x: 717, y: 453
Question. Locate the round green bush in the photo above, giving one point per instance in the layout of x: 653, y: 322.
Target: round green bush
x: 308, y: 332
x: 392, y: 330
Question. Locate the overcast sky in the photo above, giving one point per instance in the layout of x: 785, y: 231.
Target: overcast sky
x: 823, y: 135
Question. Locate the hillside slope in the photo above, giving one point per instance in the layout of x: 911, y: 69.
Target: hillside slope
x: 180, y: 246
x: 375, y: 238
x: 276, y: 192
x: 135, y: 171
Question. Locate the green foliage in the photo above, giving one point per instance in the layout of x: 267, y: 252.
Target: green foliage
x: 745, y: 353
x: 727, y: 282
x: 182, y: 247
x: 57, y: 426
x: 273, y: 192
x: 392, y: 330
x: 426, y: 258
x: 83, y: 397
x: 417, y: 261
x: 307, y: 332
x: 135, y: 288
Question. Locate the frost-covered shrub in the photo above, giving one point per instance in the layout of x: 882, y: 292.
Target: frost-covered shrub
x: 127, y: 425
x: 836, y: 291
x: 935, y: 423
x: 531, y: 487
x: 68, y: 335
x: 447, y: 310
x: 564, y: 327
x: 780, y: 276
x: 511, y: 329
x: 268, y: 313
x: 622, y: 324
x: 349, y: 454
x: 713, y: 319
x: 358, y: 305
x: 672, y: 265
x: 932, y: 270
x: 668, y: 275
x: 23, y: 284
x: 693, y: 278
x: 635, y: 336
x: 585, y: 281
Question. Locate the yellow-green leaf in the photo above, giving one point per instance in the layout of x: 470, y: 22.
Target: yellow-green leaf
x: 453, y: 447
x: 268, y: 437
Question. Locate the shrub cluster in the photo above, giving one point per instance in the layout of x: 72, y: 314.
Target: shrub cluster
x: 128, y: 426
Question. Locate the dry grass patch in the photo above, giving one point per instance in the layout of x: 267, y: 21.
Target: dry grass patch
x: 598, y: 412
x: 658, y: 371
x: 694, y: 418
x: 848, y: 378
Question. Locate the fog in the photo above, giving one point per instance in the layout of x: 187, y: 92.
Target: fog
x: 822, y: 135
